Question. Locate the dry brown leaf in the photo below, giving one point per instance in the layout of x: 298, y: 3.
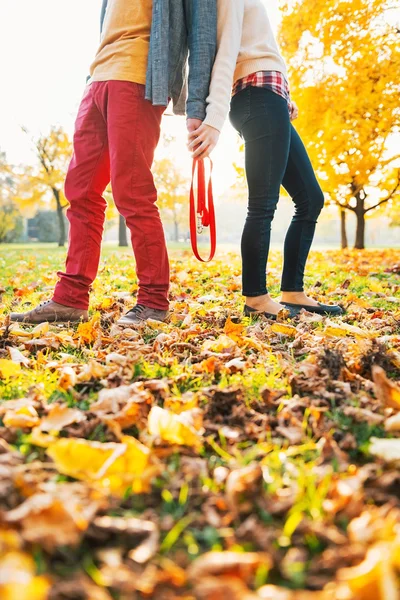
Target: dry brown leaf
x: 59, y: 416
x: 57, y: 516
x: 393, y: 423
x: 17, y: 356
x: 386, y: 391
x: 242, y: 487
x: 234, y: 564
x: 143, y: 534
x: 223, y: 588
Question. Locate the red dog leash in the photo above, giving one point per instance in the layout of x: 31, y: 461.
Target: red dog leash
x: 203, y: 215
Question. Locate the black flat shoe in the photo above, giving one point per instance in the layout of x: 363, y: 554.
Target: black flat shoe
x: 332, y: 310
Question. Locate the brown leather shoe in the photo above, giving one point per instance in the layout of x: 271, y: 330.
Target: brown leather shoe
x: 51, y: 312
x: 140, y: 313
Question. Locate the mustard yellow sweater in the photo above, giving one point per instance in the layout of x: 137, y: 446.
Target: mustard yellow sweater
x: 124, y: 47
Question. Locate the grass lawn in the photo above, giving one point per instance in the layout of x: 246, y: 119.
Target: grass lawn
x: 213, y: 456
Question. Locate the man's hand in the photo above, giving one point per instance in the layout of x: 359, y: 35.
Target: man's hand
x: 203, y: 140
x: 193, y: 124
x: 294, y: 112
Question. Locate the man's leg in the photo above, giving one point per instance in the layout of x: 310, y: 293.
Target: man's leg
x: 88, y: 177
x: 133, y: 133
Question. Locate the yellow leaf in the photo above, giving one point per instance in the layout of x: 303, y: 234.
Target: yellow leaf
x: 374, y: 578
x: 87, y: 332
x: 223, y: 343
x: 284, y: 329
x: 175, y: 429
x: 8, y: 368
x: 38, y: 438
x: 233, y: 330
x: 26, y: 416
x: 18, y: 580
x: 334, y: 330
x: 106, y: 303
x: 114, y: 466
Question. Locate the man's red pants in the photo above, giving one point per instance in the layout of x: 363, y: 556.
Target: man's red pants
x: 116, y: 134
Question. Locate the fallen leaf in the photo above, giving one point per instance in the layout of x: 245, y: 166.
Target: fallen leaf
x: 374, y: 578
x: 234, y: 330
x: 181, y: 429
x: 393, y: 423
x: 144, y: 535
x: 57, y: 517
x: 284, y: 329
x: 26, y: 416
x: 17, y: 357
x: 236, y: 564
x: 242, y: 487
x: 386, y: 449
x: 67, y: 378
x: 59, y: 416
x: 8, y: 368
x: 113, y: 466
x: 386, y: 391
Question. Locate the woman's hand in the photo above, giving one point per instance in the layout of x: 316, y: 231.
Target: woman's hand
x: 294, y: 112
x: 203, y: 140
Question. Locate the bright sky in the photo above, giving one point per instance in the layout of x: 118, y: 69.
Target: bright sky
x: 46, y: 48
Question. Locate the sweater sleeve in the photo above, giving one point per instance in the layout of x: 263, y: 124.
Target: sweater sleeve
x: 230, y: 28
x: 202, y: 41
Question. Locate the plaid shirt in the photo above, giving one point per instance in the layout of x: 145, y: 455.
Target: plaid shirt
x: 271, y: 80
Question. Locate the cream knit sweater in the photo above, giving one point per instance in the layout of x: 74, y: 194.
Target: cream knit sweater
x: 246, y: 44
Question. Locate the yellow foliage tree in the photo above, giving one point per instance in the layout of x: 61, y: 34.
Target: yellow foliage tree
x: 44, y: 182
x: 344, y: 59
x: 10, y: 219
x: 172, y: 188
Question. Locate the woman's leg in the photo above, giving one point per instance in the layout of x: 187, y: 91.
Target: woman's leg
x: 266, y: 133
x: 302, y: 185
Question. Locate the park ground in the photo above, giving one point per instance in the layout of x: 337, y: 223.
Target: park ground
x: 209, y: 457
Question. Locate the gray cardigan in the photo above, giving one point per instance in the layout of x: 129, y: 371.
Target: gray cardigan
x: 181, y: 29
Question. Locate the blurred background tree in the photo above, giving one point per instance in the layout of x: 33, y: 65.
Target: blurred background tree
x: 173, y: 189
x: 42, y: 184
x: 11, y: 221
x: 344, y: 65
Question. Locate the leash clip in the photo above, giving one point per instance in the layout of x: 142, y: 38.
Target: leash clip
x: 200, y: 227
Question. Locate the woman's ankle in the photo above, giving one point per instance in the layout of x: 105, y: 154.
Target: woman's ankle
x: 295, y: 297
x: 298, y: 298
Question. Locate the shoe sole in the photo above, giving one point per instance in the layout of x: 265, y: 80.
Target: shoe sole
x: 133, y: 324
x: 54, y: 322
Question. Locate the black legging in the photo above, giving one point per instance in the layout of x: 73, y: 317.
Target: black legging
x: 275, y: 156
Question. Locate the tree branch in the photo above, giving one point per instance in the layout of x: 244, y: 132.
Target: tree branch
x: 389, y: 197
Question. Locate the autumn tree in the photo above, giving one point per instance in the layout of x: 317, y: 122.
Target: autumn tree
x: 344, y: 63
x: 172, y: 188
x: 11, y: 224
x: 43, y: 183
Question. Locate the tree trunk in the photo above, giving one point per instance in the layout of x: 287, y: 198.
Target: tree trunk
x: 360, y: 231
x: 61, y: 222
x: 343, y: 231
x: 360, y: 214
x: 176, y: 231
x: 122, y: 233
